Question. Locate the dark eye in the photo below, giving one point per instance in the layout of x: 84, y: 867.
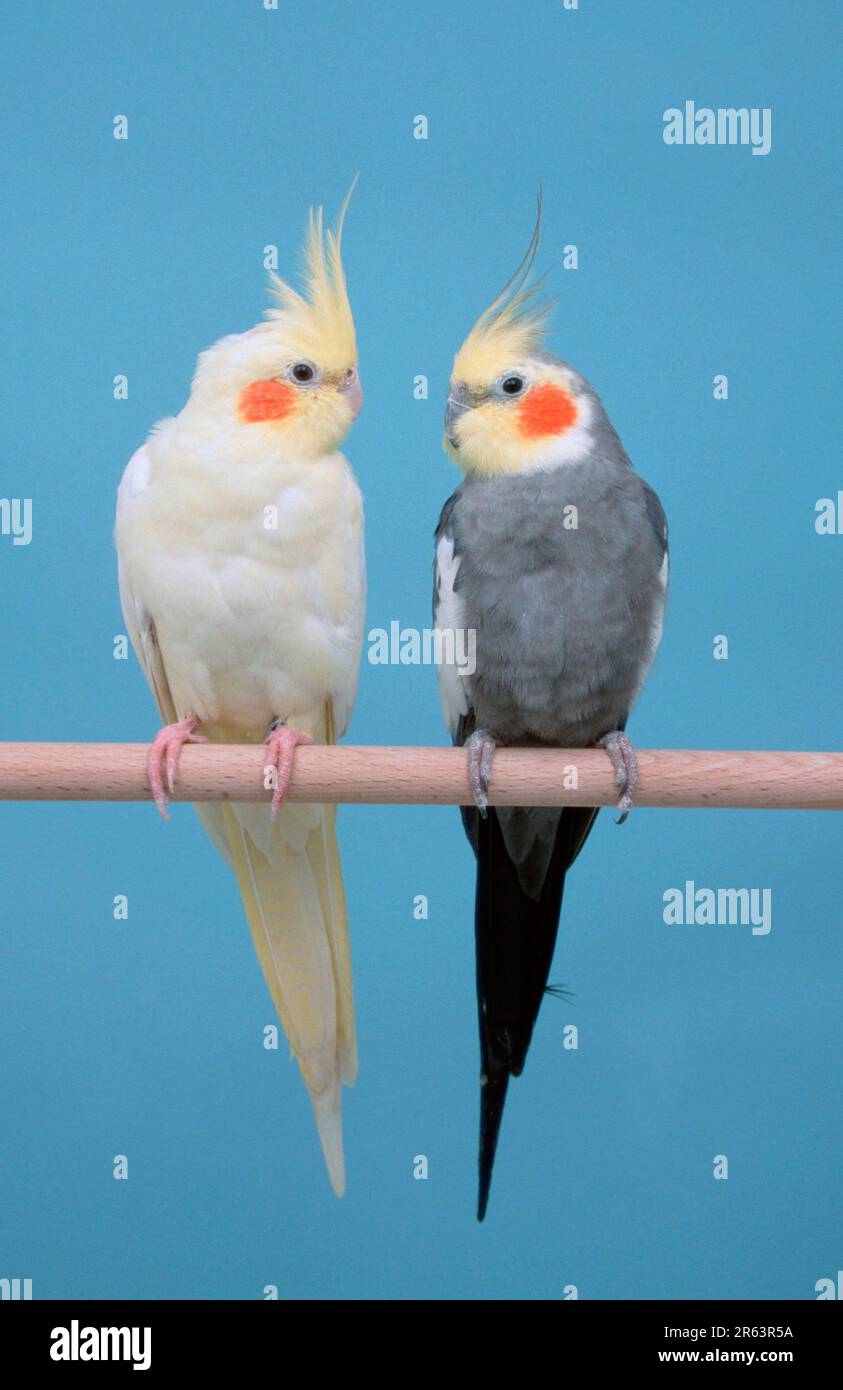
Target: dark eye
x: 512, y: 385
x: 303, y: 371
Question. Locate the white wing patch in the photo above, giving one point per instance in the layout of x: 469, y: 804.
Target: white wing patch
x: 658, y: 617
x: 656, y: 622
x: 448, y: 617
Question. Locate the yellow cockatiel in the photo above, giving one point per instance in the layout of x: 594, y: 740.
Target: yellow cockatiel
x: 242, y: 578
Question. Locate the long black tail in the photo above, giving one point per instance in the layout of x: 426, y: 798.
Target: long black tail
x: 515, y: 937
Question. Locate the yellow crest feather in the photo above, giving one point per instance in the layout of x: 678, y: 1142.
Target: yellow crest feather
x: 511, y: 329
x: 318, y: 324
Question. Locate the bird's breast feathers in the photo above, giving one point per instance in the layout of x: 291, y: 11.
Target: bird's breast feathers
x: 566, y: 617
x: 257, y: 590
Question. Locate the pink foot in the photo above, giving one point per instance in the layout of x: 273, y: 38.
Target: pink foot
x: 282, y: 744
x: 163, y: 757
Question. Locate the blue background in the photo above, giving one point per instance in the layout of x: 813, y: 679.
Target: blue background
x: 144, y: 1037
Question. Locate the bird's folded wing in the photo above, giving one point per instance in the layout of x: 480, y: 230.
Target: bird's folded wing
x: 448, y: 620
x: 139, y: 624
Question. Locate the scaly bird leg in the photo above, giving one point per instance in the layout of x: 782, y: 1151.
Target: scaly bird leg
x: 163, y: 758
x: 282, y: 743
x: 625, y: 762
x: 481, y: 750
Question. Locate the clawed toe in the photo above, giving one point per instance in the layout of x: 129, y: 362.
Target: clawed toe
x: 481, y: 751
x: 282, y: 743
x: 162, y: 760
x: 625, y: 763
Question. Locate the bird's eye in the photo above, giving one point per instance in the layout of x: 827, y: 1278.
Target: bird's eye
x: 303, y: 372
x: 512, y: 385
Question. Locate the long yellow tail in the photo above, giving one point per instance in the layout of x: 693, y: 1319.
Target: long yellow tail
x: 291, y: 883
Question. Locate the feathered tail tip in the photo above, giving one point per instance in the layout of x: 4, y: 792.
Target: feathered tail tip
x: 492, y: 1098
x: 328, y: 1115
x: 514, y: 325
x: 319, y: 322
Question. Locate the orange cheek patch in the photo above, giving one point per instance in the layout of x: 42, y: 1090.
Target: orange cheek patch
x: 265, y: 400
x: 546, y: 410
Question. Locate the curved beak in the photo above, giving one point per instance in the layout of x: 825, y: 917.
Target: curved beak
x: 457, y: 406
x: 352, y: 390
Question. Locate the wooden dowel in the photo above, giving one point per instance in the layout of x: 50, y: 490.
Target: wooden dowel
x: 434, y: 776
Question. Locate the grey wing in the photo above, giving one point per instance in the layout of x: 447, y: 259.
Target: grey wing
x: 658, y: 522
x: 448, y: 618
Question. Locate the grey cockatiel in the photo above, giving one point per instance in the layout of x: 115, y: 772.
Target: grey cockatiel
x: 554, y: 552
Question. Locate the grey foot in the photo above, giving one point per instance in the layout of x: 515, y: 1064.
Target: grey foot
x: 481, y: 750
x: 625, y: 762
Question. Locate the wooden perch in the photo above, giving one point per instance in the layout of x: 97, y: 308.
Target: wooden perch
x: 434, y: 776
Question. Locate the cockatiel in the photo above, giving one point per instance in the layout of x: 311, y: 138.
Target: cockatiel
x: 554, y: 552
x: 240, y: 544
